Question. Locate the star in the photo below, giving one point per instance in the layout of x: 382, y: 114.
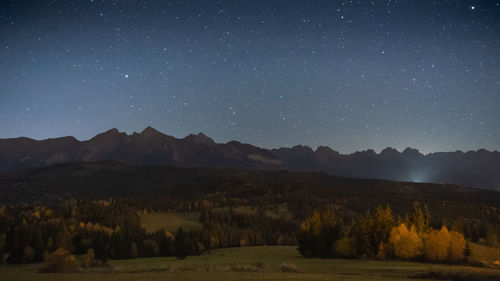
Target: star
x: 351, y: 61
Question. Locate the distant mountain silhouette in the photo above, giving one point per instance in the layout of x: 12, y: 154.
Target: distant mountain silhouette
x: 473, y: 168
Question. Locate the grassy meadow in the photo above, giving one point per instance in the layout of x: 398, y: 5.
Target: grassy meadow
x: 484, y: 255
x: 171, y: 221
x: 257, y: 263
x: 272, y: 211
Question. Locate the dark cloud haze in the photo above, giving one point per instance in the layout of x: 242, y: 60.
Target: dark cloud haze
x: 348, y: 74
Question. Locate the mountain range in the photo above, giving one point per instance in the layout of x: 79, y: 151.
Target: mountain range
x: 479, y: 168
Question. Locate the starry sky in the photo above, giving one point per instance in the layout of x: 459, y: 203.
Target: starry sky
x: 352, y: 75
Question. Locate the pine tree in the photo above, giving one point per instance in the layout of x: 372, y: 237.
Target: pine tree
x: 3, y: 239
x: 181, y: 244
x: 374, y: 230
x: 467, y: 250
x: 420, y: 219
x: 38, y: 244
x: 134, y: 251
x: 28, y: 254
x: 457, y: 247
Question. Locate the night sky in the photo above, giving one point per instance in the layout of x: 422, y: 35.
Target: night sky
x: 352, y: 75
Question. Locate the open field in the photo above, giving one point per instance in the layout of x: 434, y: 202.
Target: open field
x: 171, y: 221
x: 273, y: 211
x: 255, y: 263
x: 483, y: 254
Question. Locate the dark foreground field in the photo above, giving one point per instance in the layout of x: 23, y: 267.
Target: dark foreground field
x: 257, y: 263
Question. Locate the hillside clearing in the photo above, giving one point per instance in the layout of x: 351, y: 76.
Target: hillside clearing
x: 171, y: 221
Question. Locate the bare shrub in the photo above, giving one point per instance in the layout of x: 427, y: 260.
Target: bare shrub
x: 234, y: 268
x: 259, y: 265
x: 181, y: 268
x: 289, y: 267
x: 61, y: 260
x: 244, y: 268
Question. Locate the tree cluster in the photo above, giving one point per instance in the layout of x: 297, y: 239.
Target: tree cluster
x: 107, y: 229
x: 230, y: 229
x: 111, y: 229
x: 378, y: 235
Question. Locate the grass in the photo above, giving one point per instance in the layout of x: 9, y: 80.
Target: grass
x: 484, y: 255
x: 171, y: 221
x: 243, y: 210
x: 274, y: 211
x: 262, y: 263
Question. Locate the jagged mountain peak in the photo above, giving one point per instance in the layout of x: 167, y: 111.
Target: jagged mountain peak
x: 479, y: 168
x: 199, y: 138
x: 302, y: 148
x: 411, y: 152
x: 150, y: 131
x: 390, y: 152
x: 112, y: 131
x: 109, y: 133
x: 326, y: 151
x: 368, y: 152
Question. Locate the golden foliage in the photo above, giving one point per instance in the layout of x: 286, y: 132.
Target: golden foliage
x: 436, y: 244
x: 444, y: 245
x: 60, y: 260
x: 457, y: 246
x: 169, y: 234
x: 243, y: 242
x: 407, y: 243
x: 134, y: 251
x: 98, y: 228
x: 318, y: 221
x: 28, y: 254
x: 346, y: 247
x: 312, y: 224
x: 375, y: 229
x: 214, y: 240
x: 87, y: 259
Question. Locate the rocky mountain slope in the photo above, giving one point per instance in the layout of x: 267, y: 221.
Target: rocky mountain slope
x: 474, y: 168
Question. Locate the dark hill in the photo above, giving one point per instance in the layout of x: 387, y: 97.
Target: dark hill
x: 300, y: 191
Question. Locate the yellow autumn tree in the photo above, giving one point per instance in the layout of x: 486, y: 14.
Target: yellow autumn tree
x: 243, y: 242
x: 346, y: 247
x: 374, y: 231
x: 318, y: 234
x: 312, y: 224
x: 61, y: 260
x: 437, y: 244
x: 443, y: 245
x: 457, y: 247
x: 406, y: 243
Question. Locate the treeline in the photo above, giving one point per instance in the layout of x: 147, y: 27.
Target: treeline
x: 91, y: 232
x: 379, y: 235
x: 230, y: 229
x: 99, y: 229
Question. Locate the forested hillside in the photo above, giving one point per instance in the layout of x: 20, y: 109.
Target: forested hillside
x: 96, y: 212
